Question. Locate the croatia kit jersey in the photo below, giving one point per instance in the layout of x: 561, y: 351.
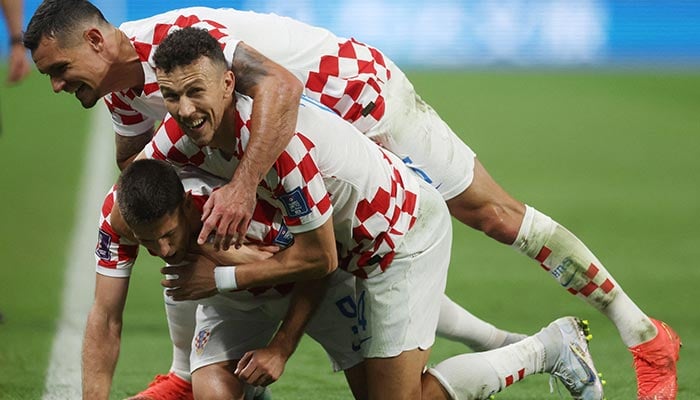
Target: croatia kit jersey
x: 116, y: 254
x: 345, y: 75
x: 328, y: 169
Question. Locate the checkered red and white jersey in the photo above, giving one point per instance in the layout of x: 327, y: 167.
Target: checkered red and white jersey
x: 328, y: 168
x: 116, y: 254
x: 345, y: 75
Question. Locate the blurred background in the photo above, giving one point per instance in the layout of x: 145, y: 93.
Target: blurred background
x: 459, y: 33
x: 588, y: 110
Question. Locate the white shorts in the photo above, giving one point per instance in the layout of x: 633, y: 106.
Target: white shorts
x: 398, y: 309
x: 225, y: 332
x: 412, y: 130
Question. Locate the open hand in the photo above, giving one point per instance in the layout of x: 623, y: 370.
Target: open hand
x: 227, y: 214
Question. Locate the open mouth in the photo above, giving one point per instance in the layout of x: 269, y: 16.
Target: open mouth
x: 195, y: 124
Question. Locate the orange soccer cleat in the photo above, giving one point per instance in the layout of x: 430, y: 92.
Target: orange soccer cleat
x: 166, y: 387
x: 655, y: 364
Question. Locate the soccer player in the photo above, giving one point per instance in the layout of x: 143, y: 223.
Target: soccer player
x: 364, y: 87
x: 159, y: 214
x: 362, y: 204
x: 154, y: 206
x: 106, y: 61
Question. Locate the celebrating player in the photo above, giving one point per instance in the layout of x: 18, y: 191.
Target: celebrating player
x: 165, y: 219
x: 364, y: 87
x: 118, y: 67
x: 384, y: 224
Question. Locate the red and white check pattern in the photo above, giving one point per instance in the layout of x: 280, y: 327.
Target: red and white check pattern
x: 115, y: 257
x: 370, y: 215
x: 591, y: 273
x: 133, y: 118
x: 350, y: 83
x: 122, y: 253
x: 345, y: 75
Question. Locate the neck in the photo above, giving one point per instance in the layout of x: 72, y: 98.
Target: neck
x: 126, y: 67
x: 225, y: 136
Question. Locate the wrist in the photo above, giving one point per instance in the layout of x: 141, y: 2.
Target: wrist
x: 16, y: 40
x: 283, y: 345
x: 225, y: 278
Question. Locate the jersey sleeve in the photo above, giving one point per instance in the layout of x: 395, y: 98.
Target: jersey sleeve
x: 115, y: 255
x: 301, y: 189
x: 126, y: 120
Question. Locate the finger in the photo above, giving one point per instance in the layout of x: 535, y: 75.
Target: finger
x: 208, y: 228
x: 170, y: 283
x: 259, y: 379
x: 270, y: 249
x: 227, y: 242
x: 221, y: 233
x: 243, y: 362
x: 208, y: 207
x: 241, y: 230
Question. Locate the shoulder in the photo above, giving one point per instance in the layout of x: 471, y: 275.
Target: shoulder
x: 117, y: 223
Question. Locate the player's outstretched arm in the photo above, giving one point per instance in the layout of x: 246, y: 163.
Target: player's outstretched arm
x: 103, y: 336
x: 312, y: 256
x: 276, y: 93
x: 264, y: 366
x: 199, y: 270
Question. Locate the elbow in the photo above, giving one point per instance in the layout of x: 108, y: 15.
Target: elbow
x: 321, y: 266
x: 289, y: 87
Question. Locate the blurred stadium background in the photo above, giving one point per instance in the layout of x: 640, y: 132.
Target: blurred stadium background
x: 589, y: 110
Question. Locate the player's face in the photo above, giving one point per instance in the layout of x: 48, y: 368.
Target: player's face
x: 169, y: 238
x: 197, y: 96
x: 77, y: 68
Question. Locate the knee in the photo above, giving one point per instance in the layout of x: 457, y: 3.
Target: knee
x: 215, y: 382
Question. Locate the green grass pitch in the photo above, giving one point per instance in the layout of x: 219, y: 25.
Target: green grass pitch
x: 612, y: 155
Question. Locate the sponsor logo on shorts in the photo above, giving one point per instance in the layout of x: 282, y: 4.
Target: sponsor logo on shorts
x: 200, y: 341
x: 104, y: 241
x: 356, y: 310
x: 295, y: 203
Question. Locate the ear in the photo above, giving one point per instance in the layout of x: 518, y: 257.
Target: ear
x: 94, y: 38
x: 188, y: 203
x: 229, y: 83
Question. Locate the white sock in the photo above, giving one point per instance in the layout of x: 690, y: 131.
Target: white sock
x: 181, y: 324
x: 571, y: 263
x: 459, y: 325
x: 480, y: 375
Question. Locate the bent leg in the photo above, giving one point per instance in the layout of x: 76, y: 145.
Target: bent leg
x: 459, y: 325
x: 217, y: 381
x: 487, y: 207
x: 397, y: 377
x: 356, y: 377
x: 181, y: 325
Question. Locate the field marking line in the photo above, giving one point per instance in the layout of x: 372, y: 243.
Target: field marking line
x: 63, y: 374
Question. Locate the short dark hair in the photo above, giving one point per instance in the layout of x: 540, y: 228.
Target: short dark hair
x: 58, y: 19
x: 185, y: 46
x: 147, y: 190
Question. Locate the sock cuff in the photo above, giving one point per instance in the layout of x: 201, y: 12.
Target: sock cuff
x: 534, y: 232
x: 446, y: 385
